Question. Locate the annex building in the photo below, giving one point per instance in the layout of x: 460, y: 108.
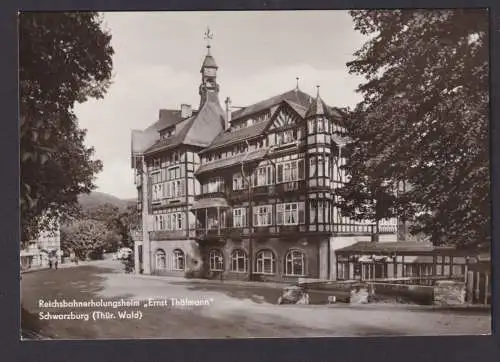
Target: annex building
x: 244, y: 193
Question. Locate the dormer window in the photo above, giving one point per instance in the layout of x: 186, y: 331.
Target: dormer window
x: 167, y: 133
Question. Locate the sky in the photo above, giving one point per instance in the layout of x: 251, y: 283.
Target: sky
x: 157, y: 61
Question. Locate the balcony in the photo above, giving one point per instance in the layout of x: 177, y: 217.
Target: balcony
x: 212, y: 234
x: 177, y: 201
x: 167, y: 235
x: 219, y: 194
x: 291, y: 187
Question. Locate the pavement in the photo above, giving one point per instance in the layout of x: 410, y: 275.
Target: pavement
x: 223, y: 310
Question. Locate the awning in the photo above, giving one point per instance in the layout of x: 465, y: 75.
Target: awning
x: 210, y: 202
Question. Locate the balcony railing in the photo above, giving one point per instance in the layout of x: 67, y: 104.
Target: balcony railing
x: 167, y: 235
x: 291, y: 187
x: 210, y: 195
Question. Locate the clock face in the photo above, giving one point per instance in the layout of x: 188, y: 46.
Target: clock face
x: 210, y: 72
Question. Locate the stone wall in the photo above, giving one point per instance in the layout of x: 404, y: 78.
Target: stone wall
x: 445, y: 292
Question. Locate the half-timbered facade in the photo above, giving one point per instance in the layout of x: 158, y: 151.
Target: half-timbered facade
x: 246, y: 193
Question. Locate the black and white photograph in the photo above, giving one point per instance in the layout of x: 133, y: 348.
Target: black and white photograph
x: 254, y: 174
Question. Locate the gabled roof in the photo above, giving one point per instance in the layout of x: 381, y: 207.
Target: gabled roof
x: 233, y: 136
x: 294, y: 95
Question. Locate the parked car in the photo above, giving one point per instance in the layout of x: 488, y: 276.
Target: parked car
x: 124, y: 253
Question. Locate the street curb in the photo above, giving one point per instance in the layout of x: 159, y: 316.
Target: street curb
x: 179, y: 279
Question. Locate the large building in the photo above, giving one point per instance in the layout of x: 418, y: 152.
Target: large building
x: 244, y: 193
x: 38, y: 251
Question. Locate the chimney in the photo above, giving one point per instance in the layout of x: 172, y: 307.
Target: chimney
x: 186, y: 111
x: 228, y: 112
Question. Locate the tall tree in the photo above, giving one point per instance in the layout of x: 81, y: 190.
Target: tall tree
x: 64, y: 58
x: 424, y: 117
x: 86, y: 237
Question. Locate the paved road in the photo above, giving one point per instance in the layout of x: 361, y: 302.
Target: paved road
x: 223, y: 311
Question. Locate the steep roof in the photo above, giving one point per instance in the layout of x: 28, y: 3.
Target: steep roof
x: 317, y: 108
x: 294, y: 95
x: 169, y: 117
x: 198, y: 130
x: 231, y: 136
x: 209, y: 62
x: 143, y: 140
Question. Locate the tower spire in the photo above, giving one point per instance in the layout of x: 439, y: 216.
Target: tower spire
x: 209, y: 89
x: 317, y: 107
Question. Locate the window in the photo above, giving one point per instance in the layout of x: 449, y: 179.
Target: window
x: 313, y: 171
x: 239, y: 217
x: 216, y: 260
x: 312, y: 212
x: 290, y: 171
x: 239, y: 182
x: 265, y: 262
x: 239, y: 261
x: 215, y: 184
x: 290, y: 213
x: 288, y: 136
x: 320, y: 127
x: 161, y: 260
x: 321, y: 211
x: 263, y: 215
x: 263, y: 176
x: 311, y: 125
x: 170, y: 221
x: 175, y: 189
x: 178, y: 260
x: 295, y: 263
x: 212, y: 221
x: 321, y: 166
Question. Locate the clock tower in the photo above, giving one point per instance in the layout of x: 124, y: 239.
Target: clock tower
x: 208, y: 72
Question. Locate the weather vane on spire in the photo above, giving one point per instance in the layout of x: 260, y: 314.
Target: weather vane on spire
x: 208, y: 36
